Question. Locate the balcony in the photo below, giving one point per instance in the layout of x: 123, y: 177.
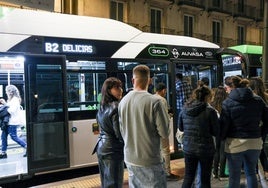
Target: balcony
x: 192, y: 3
x: 246, y: 11
x: 161, y: 30
x: 224, y: 7
x: 260, y: 15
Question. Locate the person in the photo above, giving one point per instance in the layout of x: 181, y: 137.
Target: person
x: 13, y: 103
x: 219, y: 161
x: 143, y: 121
x: 183, y: 91
x: 240, y: 119
x: 4, y: 117
x: 160, y: 91
x: 199, y: 123
x: 110, y: 144
x: 228, y: 84
x: 204, y: 81
x: 257, y: 86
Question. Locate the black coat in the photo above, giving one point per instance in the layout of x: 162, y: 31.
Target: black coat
x: 241, y: 115
x: 4, y: 117
x: 110, y: 143
x: 200, y: 123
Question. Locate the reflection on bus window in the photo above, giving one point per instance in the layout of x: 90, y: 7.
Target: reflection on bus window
x: 83, y: 90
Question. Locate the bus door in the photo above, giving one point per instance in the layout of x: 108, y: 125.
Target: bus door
x: 46, y: 111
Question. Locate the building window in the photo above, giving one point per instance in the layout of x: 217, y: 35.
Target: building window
x: 241, y: 35
x: 216, y: 31
x: 156, y: 16
x: 188, y: 25
x: 116, y: 10
x: 241, y: 6
x: 216, y: 3
x: 70, y: 7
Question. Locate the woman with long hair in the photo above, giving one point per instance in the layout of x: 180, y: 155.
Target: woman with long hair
x: 240, y: 117
x: 219, y: 163
x: 199, y: 123
x: 13, y: 103
x: 258, y: 87
x: 110, y: 144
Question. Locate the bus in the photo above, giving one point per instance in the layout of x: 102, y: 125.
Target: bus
x: 59, y: 63
x: 250, y: 67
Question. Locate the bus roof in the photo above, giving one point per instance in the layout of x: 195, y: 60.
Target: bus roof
x: 141, y: 41
x: 42, y: 23
x: 248, y: 49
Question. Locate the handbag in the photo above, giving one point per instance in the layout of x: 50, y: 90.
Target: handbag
x: 179, y: 136
x: 22, y: 116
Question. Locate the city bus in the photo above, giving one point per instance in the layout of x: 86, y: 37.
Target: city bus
x: 59, y: 63
x: 250, y: 67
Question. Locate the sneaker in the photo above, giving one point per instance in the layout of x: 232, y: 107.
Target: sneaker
x: 223, y: 177
x: 3, y: 156
x: 172, y: 177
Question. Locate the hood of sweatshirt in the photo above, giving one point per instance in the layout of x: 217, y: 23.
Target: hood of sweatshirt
x: 241, y: 94
x: 195, y: 108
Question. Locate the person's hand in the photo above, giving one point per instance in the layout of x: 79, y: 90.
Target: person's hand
x: 4, y: 126
x: 2, y: 101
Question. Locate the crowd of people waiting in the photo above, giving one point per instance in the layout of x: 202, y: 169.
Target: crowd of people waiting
x: 227, y: 123
x: 231, y: 125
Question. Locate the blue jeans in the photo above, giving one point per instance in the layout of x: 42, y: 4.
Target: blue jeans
x: 111, y: 172
x: 147, y: 177
x: 12, y: 131
x: 204, y: 166
x: 249, y: 159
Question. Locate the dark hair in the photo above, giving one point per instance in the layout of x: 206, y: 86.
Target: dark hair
x: 160, y: 86
x: 258, y: 87
x: 108, y: 84
x: 205, y: 81
x: 219, y: 96
x: 200, y: 94
x: 236, y: 82
x: 179, y: 76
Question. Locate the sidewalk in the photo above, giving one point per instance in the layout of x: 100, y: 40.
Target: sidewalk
x: 177, y: 167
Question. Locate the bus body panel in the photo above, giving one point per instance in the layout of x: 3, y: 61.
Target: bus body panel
x: 94, y: 49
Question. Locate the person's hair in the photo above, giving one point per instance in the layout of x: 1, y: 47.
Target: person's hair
x: 201, y: 94
x: 205, y: 81
x: 13, y: 92
x: 160, y: 86
x: 106, y: 96
x: 236, y: 82
x: 179, y: 76
x: 219, y: 96
x: 141, y: 73
x: 258, y: 87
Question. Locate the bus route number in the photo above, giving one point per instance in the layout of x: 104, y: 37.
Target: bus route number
x: 158, y: 51
x: 52, y: 47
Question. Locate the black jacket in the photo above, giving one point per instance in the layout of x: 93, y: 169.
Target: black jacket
x: 4, y: 116
x: 241, y: 115
x: 200, y: 123
x: 110, y: 143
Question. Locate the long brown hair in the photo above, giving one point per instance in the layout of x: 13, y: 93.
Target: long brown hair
x: 219, y: 96
x: 201, y: 94
x: 258, y: 87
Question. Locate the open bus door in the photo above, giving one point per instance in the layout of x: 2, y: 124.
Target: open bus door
x: 41, y: 81
x: 243, y: 62
x: 47, y: 117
